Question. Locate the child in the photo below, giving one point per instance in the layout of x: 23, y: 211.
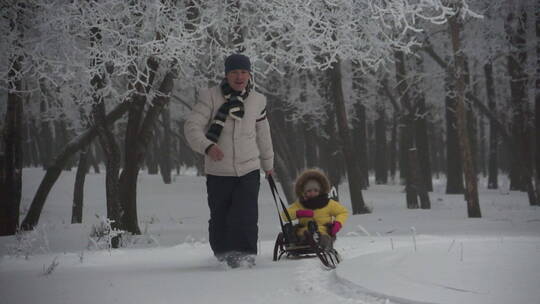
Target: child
x: 312, y: 188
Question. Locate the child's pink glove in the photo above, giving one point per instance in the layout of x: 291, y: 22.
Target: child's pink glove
x: 304, y: 213
x: 335, y: 228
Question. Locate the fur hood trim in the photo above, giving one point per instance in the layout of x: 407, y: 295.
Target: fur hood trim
x: 307, y: 175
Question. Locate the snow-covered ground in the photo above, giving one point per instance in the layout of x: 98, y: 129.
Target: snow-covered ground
x: 392, y: 255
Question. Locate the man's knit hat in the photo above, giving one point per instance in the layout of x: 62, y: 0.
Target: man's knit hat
x: 237, y: 62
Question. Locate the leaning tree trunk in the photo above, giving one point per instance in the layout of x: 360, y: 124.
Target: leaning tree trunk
x: 353, y: 168
x: 54, y: 170
x: 471, y: 189
x: 12, y: 158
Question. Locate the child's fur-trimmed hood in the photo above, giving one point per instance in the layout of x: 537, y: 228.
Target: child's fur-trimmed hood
x: 307, y: 175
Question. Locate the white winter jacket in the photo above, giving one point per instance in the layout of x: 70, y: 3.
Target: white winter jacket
x: 246, y: 143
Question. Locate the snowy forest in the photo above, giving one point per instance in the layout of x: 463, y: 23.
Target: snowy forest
x: 424, y: 115
x: 402, y: 90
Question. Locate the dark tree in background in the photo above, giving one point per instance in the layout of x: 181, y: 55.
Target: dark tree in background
x: 520, y: 172
x: 11, y: 157
x: 78, y: 189
x: 414, y: 183
x: 107, y: 142
x: 471, y: 189
x: 537, y: 103
x: 381, y: 157
x: 352, y: 166
x: 493, y: 172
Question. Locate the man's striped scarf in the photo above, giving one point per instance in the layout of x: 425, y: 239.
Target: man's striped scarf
x: 233, y: 106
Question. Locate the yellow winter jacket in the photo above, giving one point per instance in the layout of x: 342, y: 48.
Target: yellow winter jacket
x: 333, y: 211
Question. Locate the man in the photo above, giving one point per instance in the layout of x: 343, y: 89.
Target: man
x: 229, y: 126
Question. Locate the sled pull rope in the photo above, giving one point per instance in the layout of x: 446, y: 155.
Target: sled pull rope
x: 275, y: 192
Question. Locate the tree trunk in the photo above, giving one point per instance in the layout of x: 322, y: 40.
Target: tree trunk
x: 33, y: 134
x: 454, y: 170
x: 108, y: 143
x: 393, y: 146
x: 143, y: 140
x: 517, y: 59
x: 54, y: 170
x: 151, y: 156
x: 360, y: 142
x: 381, y: 159
x: 62, y: 138
x: 353, y: 168
x: 493, y: 179
x: 12, y: 158
x: 78, y: 190
x: 165, y: 155
x: 471, y: 189
x: 410, y: 165
x: 482, y: 151
x: 422, y: 143
x: 360, y: 131
x: 112, y: 164
x: 45, y: 137
x: 537, y: 102
x: 417, y: 184
x: 392, y: 154
x: 422, y: 140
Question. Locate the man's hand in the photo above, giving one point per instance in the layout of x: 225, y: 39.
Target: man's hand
x: 269, y: 172
x: 215, y: 153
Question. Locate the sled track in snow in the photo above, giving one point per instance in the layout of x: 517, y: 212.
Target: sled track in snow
x: 313, y: 277
x: 345, y: 288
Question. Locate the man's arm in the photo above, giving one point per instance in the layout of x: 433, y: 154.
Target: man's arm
x: 264, y: 141
x: 196, y: 123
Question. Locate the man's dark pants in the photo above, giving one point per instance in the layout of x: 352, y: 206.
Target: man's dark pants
x: 234, y: 214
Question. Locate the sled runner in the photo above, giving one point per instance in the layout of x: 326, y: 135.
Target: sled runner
x: 289, y: 245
